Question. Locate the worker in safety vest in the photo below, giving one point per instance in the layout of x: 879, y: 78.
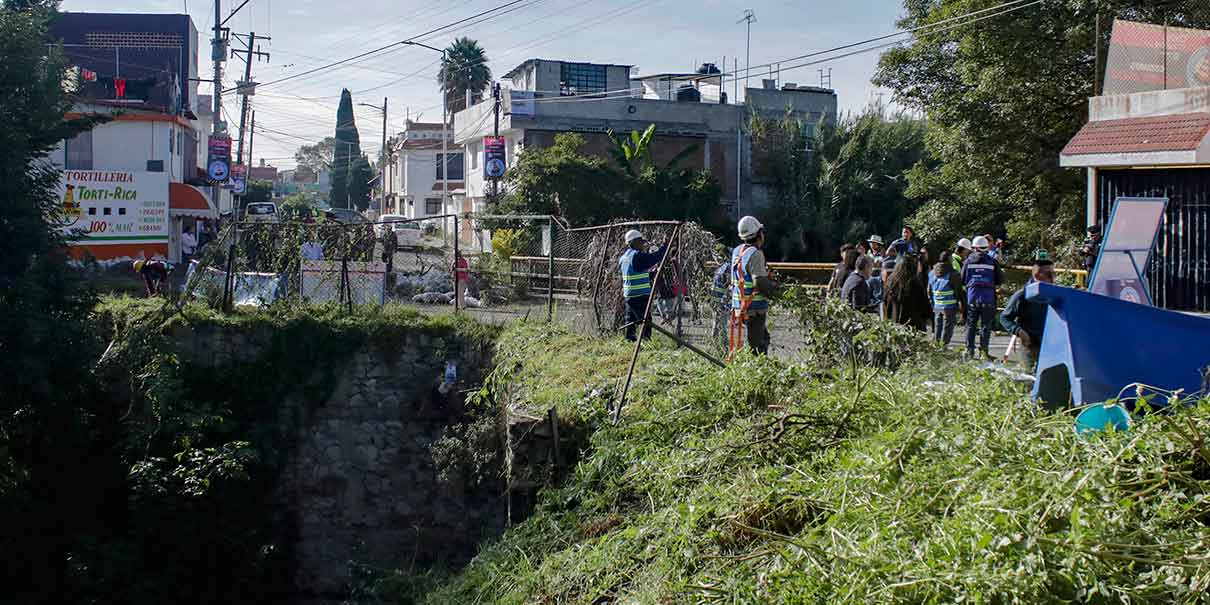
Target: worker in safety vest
x: 636, y: 265
x: 980, y: 274
x: 751, y: 287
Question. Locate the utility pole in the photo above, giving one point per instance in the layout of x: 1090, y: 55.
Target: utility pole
x: 247, y: 88
x: 251, y: 136
x: 750, y: 18
x: 218, y: 53
x: 496, y: 133
x: 382, y: 163
x: 382, y: 154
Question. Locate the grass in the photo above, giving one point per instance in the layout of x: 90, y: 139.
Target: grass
x: 775, y: 483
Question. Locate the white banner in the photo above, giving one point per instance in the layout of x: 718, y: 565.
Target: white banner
x: 115, y: 207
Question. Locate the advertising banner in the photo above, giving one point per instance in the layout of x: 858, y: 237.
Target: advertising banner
x: 1144, y: 57
x: 239, y: 179
x: 493, y: 157
x: 218, y: 162
x: 114, y: 207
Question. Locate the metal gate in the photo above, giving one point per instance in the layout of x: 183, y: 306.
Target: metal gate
x: 1179, y: 273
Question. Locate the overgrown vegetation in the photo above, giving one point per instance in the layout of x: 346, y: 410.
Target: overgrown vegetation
x: 935, y: 482
x: 1001, y: 103
x: 171, y: 479
x: 584, y: 189
x: 835, y: 181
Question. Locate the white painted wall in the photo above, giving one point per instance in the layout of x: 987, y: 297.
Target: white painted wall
x: 128, y: 145
x: 1149, y: 104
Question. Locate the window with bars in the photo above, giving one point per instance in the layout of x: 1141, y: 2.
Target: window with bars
x: 581, y: 78
x: 79, y: 152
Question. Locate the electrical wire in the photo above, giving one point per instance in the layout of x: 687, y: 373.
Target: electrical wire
x: 962, y: 17
x: 400, y: 43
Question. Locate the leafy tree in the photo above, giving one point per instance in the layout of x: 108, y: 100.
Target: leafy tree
x: 836, y: 182
x: 1002, y: 98
x: 259, y: 190
x: 346, y: 156
x: 298, y: 205
x: 585, y: 189
x: 360, y: 175
x: 562, y: 181
x: 464, y: 67
x: 318, y: 157
x: 49, y: 412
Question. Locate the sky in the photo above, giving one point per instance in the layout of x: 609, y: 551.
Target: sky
x: 653, y: 35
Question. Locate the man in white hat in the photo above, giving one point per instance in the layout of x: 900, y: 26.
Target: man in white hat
x: 636, y: 265
x: 751, y: 287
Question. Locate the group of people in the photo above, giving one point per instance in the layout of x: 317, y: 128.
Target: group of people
x: 904, y: 283
x: 742, y: 286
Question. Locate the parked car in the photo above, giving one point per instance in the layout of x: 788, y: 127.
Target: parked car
x: 408, y: 234
x: 385, y: 221
x: 260, y: 212
x: 345, y: 215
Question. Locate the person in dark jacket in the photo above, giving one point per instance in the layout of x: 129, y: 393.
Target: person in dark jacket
x: 907, y: 302
x: 848, y: 262
x: 1026, y: 319
x: 980, y: 275
x: 856, y: 289
x: 636, y: 265
x: 908, y: 241
x: 1091, y: 247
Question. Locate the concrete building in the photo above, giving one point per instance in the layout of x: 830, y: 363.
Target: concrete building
x: 148, y: 58
x: 1149, y: 136
x: 416, y: 176
x: 135, y: 182
x: 263, y: 172
x: 148, y: 155
x: 550, y: 97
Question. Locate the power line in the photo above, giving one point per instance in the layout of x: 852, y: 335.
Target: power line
x: 898, y: 42
x: 904, y: 32
x: 395, y: 44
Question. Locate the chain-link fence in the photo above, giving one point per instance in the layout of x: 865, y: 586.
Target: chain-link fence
x: 496, y: 268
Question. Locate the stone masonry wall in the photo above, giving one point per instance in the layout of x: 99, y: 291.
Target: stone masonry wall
x: 359, y: 487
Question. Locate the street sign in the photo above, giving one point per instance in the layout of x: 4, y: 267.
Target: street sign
x: 218, y: 163
x: 239, y: 179
x: 494, y: 163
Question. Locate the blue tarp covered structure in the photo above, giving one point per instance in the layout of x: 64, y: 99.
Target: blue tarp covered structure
x: 1094, y: 346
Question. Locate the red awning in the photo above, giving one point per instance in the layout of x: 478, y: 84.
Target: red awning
x: 187, y: 200
x: 1182, y: 132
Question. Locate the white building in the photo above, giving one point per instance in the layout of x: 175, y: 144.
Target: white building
x: 417, y: 178
x: 688, y: 111
x: 143, y: 150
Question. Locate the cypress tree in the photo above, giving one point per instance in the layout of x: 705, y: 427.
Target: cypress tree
x: 346, y: 153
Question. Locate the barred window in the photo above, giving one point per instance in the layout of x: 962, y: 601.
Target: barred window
x: 581, y: 78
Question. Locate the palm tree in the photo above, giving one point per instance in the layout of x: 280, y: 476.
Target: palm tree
x: 464, y: 67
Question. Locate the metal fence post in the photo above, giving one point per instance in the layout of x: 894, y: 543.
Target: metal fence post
x: 550, y: 272
x: 457, y: 290
x: 678, y: 282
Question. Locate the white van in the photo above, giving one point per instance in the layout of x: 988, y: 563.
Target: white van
x: 407, y: 233
x: 260, y: 212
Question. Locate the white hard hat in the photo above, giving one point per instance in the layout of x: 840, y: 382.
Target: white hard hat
x: 981, y: 243
x: 748, y: 227
x: 632, y: 235
x: 965, y: 243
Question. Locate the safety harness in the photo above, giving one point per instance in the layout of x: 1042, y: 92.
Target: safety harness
x: 739, y: 316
